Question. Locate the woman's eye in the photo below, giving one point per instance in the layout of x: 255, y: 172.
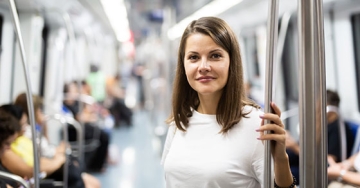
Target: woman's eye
x: 193, y: 57
x: 215, y: 56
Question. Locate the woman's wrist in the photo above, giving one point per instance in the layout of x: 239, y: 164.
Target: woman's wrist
x: 341, y: 175
x: 290, y: 186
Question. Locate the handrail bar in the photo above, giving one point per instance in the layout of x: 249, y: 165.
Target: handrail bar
x: 312, y: 94
x: 80, y: 136
x: 30, y: 104
x: 15, y: 178
x: 60, y: 118
x: 271, y: 47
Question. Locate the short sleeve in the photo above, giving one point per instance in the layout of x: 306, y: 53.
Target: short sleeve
x: 170, y: 135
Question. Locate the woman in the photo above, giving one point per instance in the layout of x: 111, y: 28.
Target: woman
x: 213, y: 140
x: 9, y: 127
x: 19, y: 160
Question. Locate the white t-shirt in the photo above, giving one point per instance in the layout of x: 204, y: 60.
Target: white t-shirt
x: 202, y: 157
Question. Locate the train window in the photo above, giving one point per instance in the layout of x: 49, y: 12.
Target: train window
x: 1, y: 27
x: 45, y: 34
x: 355, y: 19
x: 290, y: 63
x: 251, y: 56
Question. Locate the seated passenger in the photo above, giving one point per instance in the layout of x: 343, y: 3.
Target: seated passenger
x: 9, y: 127
x: 335, y: 127
x: 94, y: 161
x: 116, y: 103
x: 345, y: 174
x: 334, y: 136
x: 19, y: 160
x: 47, y: 150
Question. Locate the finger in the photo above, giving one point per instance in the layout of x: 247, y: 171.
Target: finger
x: 273, y: 137
x: 272, y: 117
x: 262, y: 123
x: 276, y: 109
x: 273, y: 128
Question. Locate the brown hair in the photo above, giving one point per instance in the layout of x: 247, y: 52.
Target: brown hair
x: 229, y: 111
x: 9, y: 125
x: 21, y: 101
x: 332, y: 98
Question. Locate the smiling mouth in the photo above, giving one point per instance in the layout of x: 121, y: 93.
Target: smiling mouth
x: 205, y: 79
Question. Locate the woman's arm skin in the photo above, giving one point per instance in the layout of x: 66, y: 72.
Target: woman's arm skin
x: 283, y: 176
x: 349, y: 176
x: 16, y: 165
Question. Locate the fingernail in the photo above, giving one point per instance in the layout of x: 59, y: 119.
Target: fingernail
x: 258, y: 138
x: 261, y: 115
x: 257, y: 130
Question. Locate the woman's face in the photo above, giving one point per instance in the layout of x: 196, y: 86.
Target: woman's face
x: 206, y: 65
x: 6, y: 144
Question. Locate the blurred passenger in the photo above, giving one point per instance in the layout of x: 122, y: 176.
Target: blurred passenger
x: 334, y: 123
x: 345, y: 174
x: 116, y: 104
x: 9, y: 127
x: 248, y: 86
x: 216, y: 133
x: 96, y: 80
x: 138, y: 72
x: 47, y: 150
x: 337, y: 129
x: 95, y: 160
x: 19, y: 160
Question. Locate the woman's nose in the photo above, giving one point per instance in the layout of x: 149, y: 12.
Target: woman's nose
x: 204, y: 66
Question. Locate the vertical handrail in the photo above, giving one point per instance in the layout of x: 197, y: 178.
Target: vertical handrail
x: 80, y: 136
x: 313, y: 130
x: 72, y: 39
x: 16, y: 25
x: 271, y: 45
x: 62, y: 121
x: 321, y: 94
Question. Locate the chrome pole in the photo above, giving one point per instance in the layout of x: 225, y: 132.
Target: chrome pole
x: 16, y: 25
x: 80, y: 135
x: 321, y: 95
x: 271, y: 45
x: 15, y: 178
x: 61, y: 119
x: 313, y: 129
x: 72, y: 39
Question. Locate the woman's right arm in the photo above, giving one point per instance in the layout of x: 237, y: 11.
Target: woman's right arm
x: 16, y: 165
x: 51, y: 165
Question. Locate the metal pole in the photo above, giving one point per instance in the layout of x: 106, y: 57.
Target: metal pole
x: 16, y: 178
x: 272, y: 34
x: 61, y: 119
x: 321, y: 94
x: 72, y: 39
x: 28, y: 91
x: 313, y: 130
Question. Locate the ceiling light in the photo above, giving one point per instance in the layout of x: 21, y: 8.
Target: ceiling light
x: 214, y: 8
x: 117, y: 15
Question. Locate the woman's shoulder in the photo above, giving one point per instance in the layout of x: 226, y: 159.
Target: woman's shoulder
x: 251, y: 111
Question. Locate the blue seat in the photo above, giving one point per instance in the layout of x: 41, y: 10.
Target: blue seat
x: 354, y: 128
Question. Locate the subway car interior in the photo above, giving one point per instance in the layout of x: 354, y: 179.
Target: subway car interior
x: 95, y: 80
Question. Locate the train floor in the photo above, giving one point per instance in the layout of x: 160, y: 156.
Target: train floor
x: 137, y: 154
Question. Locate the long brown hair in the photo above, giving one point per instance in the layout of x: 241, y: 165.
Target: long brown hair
x: 229, y: 111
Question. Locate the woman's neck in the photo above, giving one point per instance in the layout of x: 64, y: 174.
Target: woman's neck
x: 208, y: 104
